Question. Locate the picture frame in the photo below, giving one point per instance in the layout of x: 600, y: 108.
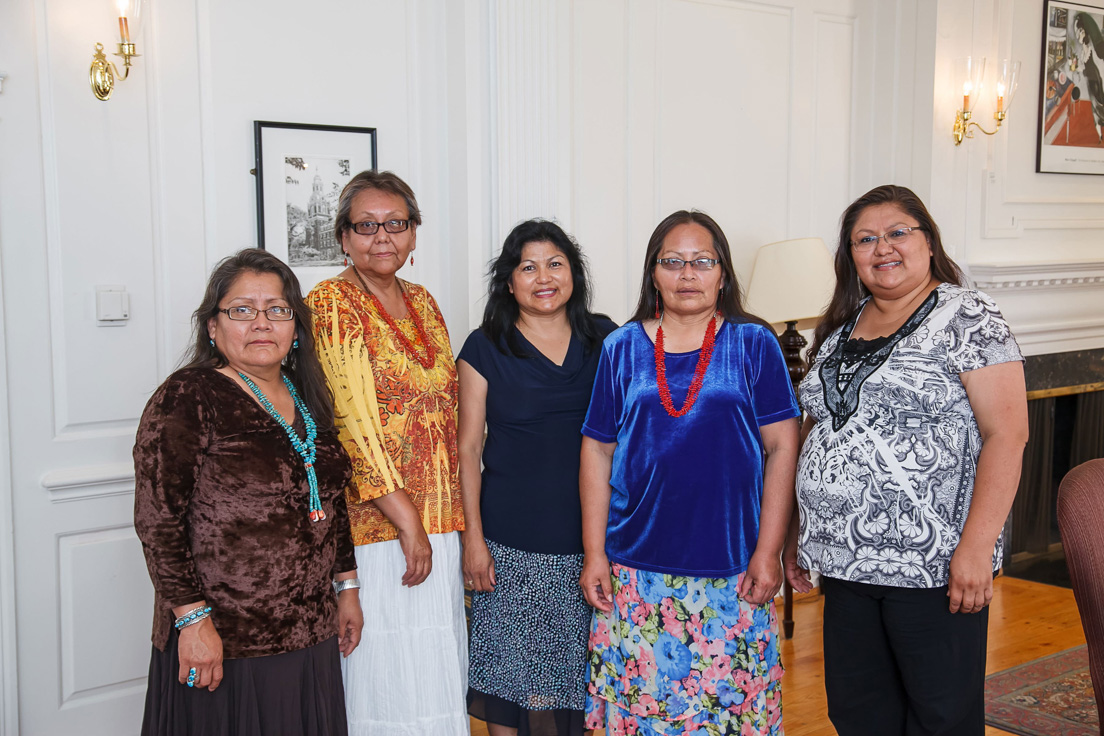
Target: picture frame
x: 300, y: 171
x: 1071, y: 94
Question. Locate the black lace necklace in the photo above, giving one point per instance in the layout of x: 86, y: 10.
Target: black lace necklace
x: 842, y: 385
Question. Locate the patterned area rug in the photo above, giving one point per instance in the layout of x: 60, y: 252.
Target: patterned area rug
x: 1048, y: 696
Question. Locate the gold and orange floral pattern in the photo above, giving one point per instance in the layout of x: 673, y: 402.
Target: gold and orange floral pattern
x: 396, y: 419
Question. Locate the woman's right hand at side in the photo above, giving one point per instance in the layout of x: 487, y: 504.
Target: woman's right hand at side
x: 479, y: 567
x: 418, y: 553
x: 400, y: 511
x: 797, y: 576
x: 595, y: 582
x: 200, y: 646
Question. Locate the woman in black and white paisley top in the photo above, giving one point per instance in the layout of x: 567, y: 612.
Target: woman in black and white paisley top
x: 917, y: 421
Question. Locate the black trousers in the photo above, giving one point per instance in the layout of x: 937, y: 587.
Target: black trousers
x: 897, y: 661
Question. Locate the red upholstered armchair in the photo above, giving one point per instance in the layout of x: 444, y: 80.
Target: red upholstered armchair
x: 1081, y: 521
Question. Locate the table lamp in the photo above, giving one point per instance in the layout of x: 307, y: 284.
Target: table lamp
x: 792, y: 284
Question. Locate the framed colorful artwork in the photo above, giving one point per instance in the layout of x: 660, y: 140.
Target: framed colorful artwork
x: 1071, y: 104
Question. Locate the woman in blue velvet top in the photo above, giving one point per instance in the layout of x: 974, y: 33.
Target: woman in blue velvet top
x: 686, y: 479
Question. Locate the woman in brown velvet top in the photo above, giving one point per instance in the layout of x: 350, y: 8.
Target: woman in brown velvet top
x: 240, y: 506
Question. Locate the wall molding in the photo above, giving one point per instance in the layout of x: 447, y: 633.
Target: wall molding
x: 84, y: 677
x: 23, y: 69
x: 528, y: 52
x: 9, y: 673
x: 1006, y: 216
x: 1037, y: 276
x: 1060, y: 337
x: 89, y: 481
x: 52, y: 201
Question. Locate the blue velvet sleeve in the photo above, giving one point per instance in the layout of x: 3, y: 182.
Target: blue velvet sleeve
x: 773, y: 396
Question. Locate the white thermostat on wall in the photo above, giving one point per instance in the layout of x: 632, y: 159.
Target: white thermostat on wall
x: 112, y: 305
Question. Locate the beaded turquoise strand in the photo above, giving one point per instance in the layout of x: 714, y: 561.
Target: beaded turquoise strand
x: 306, y: 447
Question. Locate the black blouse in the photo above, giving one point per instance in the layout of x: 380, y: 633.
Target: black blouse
x: 535, y: 411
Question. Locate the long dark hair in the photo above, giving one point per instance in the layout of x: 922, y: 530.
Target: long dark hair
x: 849, y: 290
x: 1093, y: 38
x: 301, y: 364
x: 731, y: 301
x: 502, y: 311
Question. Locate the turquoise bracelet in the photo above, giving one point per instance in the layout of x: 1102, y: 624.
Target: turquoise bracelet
x: 193, y: 616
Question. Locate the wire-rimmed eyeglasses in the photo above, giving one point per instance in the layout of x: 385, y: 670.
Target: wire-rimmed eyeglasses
x: 677, y: 264
x: 896, y: 236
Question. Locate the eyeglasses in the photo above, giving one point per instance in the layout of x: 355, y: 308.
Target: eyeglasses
x: 677, y: 264
x: 893, y: 237
x: 248, y: 314
x: 371, y: 228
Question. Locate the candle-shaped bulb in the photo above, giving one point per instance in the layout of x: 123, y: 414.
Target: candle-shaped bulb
x: 128, y: 12
x: 967, y: 87
x: 124, y: 26
x: 1000, y: 96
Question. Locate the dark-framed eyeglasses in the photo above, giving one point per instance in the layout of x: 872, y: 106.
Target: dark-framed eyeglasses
x: 677, y: 264
x: 371, y: 228
x: 248, y: 314
x: 896, y: 236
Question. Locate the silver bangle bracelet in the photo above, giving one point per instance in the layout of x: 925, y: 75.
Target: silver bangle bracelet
x: 193, y: 616
x: 340, y: 585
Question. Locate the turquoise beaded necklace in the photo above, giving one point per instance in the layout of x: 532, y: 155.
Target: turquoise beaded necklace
x: 305, y: 448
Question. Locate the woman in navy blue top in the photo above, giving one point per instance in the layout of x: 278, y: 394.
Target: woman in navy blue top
x: 687, y: 472
x: 526, y: 375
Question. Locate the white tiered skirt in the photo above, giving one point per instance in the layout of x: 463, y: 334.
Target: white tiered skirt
x: 409, y: 676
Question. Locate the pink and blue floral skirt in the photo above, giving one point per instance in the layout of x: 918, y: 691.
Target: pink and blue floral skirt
x: 681, y: 655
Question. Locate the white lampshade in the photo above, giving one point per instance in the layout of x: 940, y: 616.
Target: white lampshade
x: 792, y: 282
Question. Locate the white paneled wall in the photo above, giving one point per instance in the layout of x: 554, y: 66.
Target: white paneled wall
x: 530, y: 62
x: 739, y: 109
x: 604, y: 114
x: 1033, y: 241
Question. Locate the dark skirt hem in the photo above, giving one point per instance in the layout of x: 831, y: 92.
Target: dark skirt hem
x: 502, y: 712
x: 292, y: 694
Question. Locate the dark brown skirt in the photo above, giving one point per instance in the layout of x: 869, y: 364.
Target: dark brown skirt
x: 293, y: 694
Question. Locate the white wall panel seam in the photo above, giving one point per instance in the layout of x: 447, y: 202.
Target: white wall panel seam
x: 207, y: 132
x: 58, y: 401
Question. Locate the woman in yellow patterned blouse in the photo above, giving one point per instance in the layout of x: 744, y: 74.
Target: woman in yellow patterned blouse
x: 386, y: 353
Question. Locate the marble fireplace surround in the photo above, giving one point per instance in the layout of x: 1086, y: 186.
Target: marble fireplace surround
x: 1061, y: 374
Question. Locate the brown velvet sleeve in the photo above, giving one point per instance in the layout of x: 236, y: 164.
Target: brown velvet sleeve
x: 168, y: 452
x: 346, y: 555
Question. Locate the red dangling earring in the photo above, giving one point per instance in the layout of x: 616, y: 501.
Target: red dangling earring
x: 658, y: 301
x: 346, y: 258
x: 411, y: 259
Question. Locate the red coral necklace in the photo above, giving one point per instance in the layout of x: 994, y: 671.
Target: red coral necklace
x: 430, y: 356
x: 699, y: 372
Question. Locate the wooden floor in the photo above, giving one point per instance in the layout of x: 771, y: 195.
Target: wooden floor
x: 1027, y: 621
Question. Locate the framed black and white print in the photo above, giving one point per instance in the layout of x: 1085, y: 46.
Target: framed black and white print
x: 301, y: 170
x: 1071, y: 103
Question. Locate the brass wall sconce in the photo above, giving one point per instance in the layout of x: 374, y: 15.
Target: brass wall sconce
x: 969, y: 73
x: 102, y: 73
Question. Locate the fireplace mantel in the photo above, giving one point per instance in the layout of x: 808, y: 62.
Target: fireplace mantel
x: 999, y: 277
